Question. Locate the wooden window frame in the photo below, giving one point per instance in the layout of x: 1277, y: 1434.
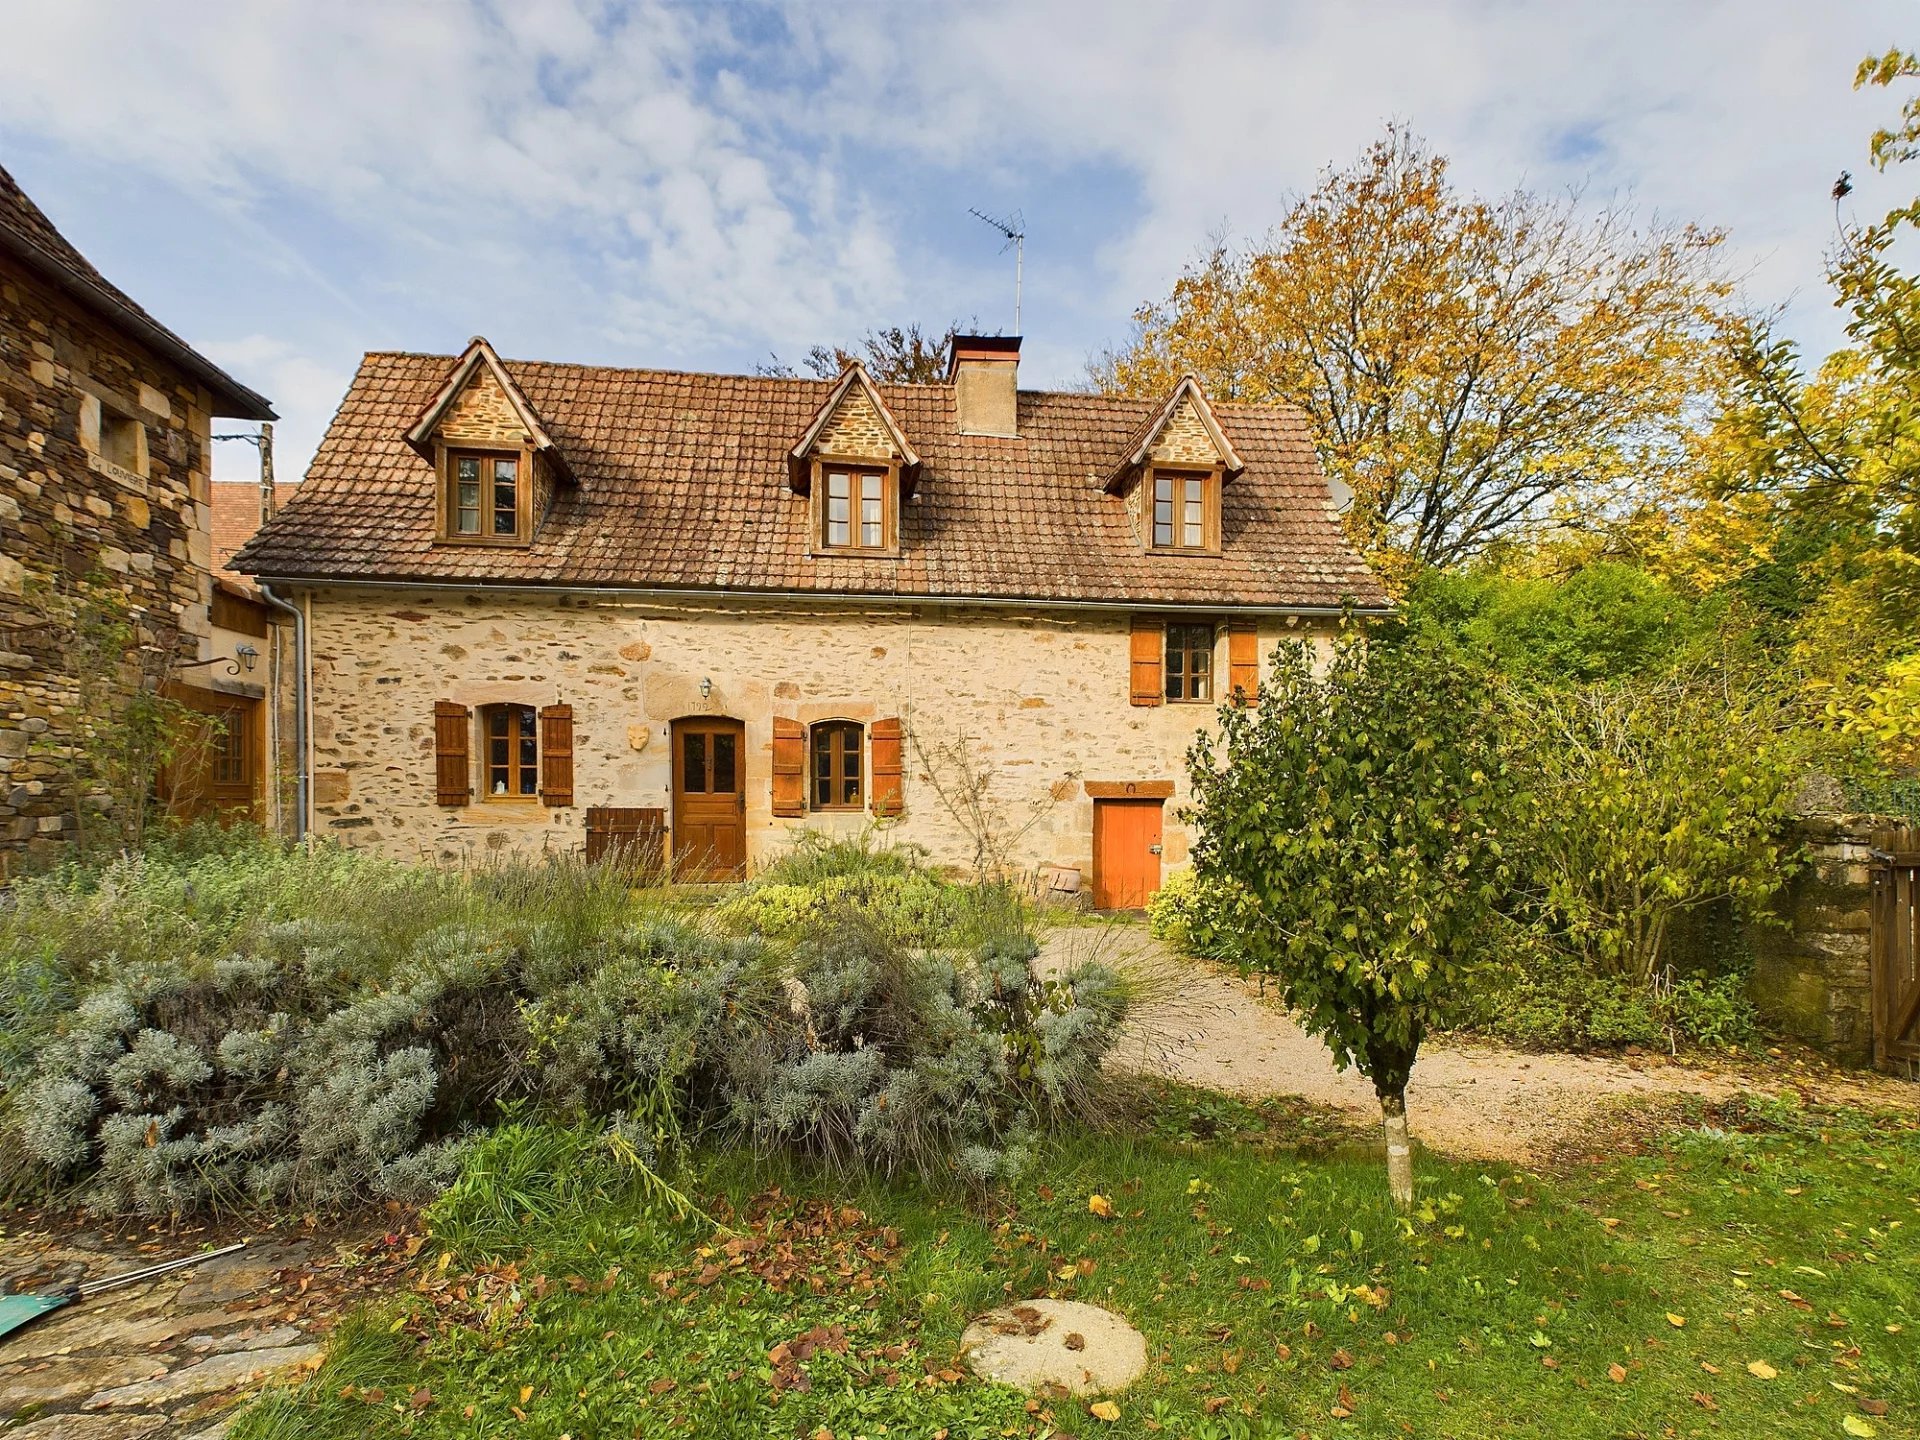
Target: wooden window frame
x: 1211, y: 480
x: 516, y: 767
x: 450, y: 457
x: 858, y: 465
x: 836, y: 779
x: 1185, y: 669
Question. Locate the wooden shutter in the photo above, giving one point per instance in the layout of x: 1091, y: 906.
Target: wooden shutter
x: 452, y: 734
x: 633, y: 838
x: 1243, y: 662
x: 887, y: 767
x: 789, y: 766
x: 556, y: 755
x: 1149, y: 663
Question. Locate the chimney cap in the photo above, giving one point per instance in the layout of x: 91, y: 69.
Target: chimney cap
x: 981, y: 347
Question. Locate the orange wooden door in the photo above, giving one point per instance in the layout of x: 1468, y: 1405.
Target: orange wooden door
x: 1126, y: 853
x: 709, y: 799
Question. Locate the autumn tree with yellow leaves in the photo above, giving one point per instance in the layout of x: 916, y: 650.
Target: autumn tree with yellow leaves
x: 1473, y: 368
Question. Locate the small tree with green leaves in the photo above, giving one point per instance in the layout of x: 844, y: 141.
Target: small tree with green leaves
x: 1359, y: 811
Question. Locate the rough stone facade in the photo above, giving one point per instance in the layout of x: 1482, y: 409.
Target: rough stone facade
x: 856, y: 429
x: 1041, y: 699
x: 1184, y: 440
x: 73, y: 393
x: 1810, y: 976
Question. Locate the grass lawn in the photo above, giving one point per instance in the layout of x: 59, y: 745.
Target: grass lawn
x: 1761, y: 1280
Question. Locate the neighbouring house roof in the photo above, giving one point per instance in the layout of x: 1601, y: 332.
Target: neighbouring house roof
x: 236, y: 516
x: 683, y: 483
x: 27, y: 235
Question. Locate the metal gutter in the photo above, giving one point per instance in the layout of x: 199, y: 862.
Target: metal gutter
x: 683, y: 596
x: 302, y: 688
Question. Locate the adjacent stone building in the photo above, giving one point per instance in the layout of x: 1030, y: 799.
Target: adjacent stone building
x: 552, y: 606
x: 105, y: 421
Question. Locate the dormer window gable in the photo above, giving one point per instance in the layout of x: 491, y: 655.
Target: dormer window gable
x: 1175, y: 469
x: 495, y: 463
x: 855, y: 466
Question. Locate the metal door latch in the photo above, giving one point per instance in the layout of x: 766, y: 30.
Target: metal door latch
x: 1153, y: 849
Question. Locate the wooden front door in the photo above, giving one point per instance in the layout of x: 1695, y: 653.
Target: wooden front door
x: 709, y: 800
x: 1126, y: 853
x: 217, y: 772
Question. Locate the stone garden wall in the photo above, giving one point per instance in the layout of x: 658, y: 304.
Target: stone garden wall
x: 1810, y: 977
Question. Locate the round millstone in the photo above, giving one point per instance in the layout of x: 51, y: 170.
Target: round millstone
x: 1046, y: 1345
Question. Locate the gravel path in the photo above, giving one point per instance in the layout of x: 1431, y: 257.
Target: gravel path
x: 1207, y: 1027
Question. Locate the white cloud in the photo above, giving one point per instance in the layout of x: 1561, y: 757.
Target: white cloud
x: 702, y: 184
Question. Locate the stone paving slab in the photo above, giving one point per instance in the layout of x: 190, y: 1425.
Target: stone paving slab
x: 154, y: 1362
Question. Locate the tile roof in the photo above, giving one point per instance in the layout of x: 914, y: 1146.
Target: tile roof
x: 236, y: 515
x: 28, y: 235
x: 683, y: 484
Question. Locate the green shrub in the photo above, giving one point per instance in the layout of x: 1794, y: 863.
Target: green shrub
x: 1199, y: 916
x: 257, y: 1025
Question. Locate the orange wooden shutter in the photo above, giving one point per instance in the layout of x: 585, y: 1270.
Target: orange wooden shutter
x: 1149, y: 645
x: 789, y: 766
x: 556, y: 755
x: 888, y: 766
x: 453, y: 777
x: 1243, y: 662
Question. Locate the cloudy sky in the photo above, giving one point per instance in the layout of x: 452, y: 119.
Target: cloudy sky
x: 700, y: 186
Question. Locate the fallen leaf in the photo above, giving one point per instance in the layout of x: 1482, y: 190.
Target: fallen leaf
x: 1616, y: 1372
x: 1104, y: 1409
x: 1341, y: 1361
x: 1677, y: 1321
x: 1075, y: 1341
x: 1854, y: 1425
x: 1704, y: 1400
x: 1103, y: 1207
x: 1761, y: 1370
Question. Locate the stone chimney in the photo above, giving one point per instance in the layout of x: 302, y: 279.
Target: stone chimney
x: 985, y: 373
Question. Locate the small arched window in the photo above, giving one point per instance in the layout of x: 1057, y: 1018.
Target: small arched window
x: 510, y: 737
x: 836, y: 769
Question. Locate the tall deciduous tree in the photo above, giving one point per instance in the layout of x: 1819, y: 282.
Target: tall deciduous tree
x: 1811, y: 493
x: 1471, y: 366
x: 1356, y: 815
x: 893, y: 355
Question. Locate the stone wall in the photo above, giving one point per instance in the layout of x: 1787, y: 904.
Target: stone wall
x: 856, y: 428
x: 1041, y: 699
x: 1810, y: 976
x: 74, y: 396
x: 1183, y: 440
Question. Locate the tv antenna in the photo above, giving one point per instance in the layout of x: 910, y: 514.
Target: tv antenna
x: 1014, y: 227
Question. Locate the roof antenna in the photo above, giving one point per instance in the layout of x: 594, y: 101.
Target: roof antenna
x: 1014, y: 227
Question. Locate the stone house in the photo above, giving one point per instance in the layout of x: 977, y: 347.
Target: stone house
x: 105, y: 433
x: 550, y: 606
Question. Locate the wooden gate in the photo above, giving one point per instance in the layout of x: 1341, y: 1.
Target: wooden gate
x: 1895, y: 959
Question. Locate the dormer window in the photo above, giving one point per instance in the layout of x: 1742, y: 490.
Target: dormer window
x: 856, y: 509
x: 1185, y: 510
x: 485, y: 496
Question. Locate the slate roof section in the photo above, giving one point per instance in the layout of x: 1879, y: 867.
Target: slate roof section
x: 683, y: 484
x: 30, y: 237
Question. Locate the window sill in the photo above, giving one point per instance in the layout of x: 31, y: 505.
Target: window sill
x: 836, y: 809
x: 506, y: 542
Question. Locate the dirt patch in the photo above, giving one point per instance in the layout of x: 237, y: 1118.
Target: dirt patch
x: 1208, y: 1027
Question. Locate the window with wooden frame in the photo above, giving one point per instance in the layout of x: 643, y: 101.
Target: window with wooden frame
x: 857, y: 508
x: 1189, y: 662
x: 836, y: 769
x: 510, y: 752
x: 485, y: 497
x: 1183, y: 509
